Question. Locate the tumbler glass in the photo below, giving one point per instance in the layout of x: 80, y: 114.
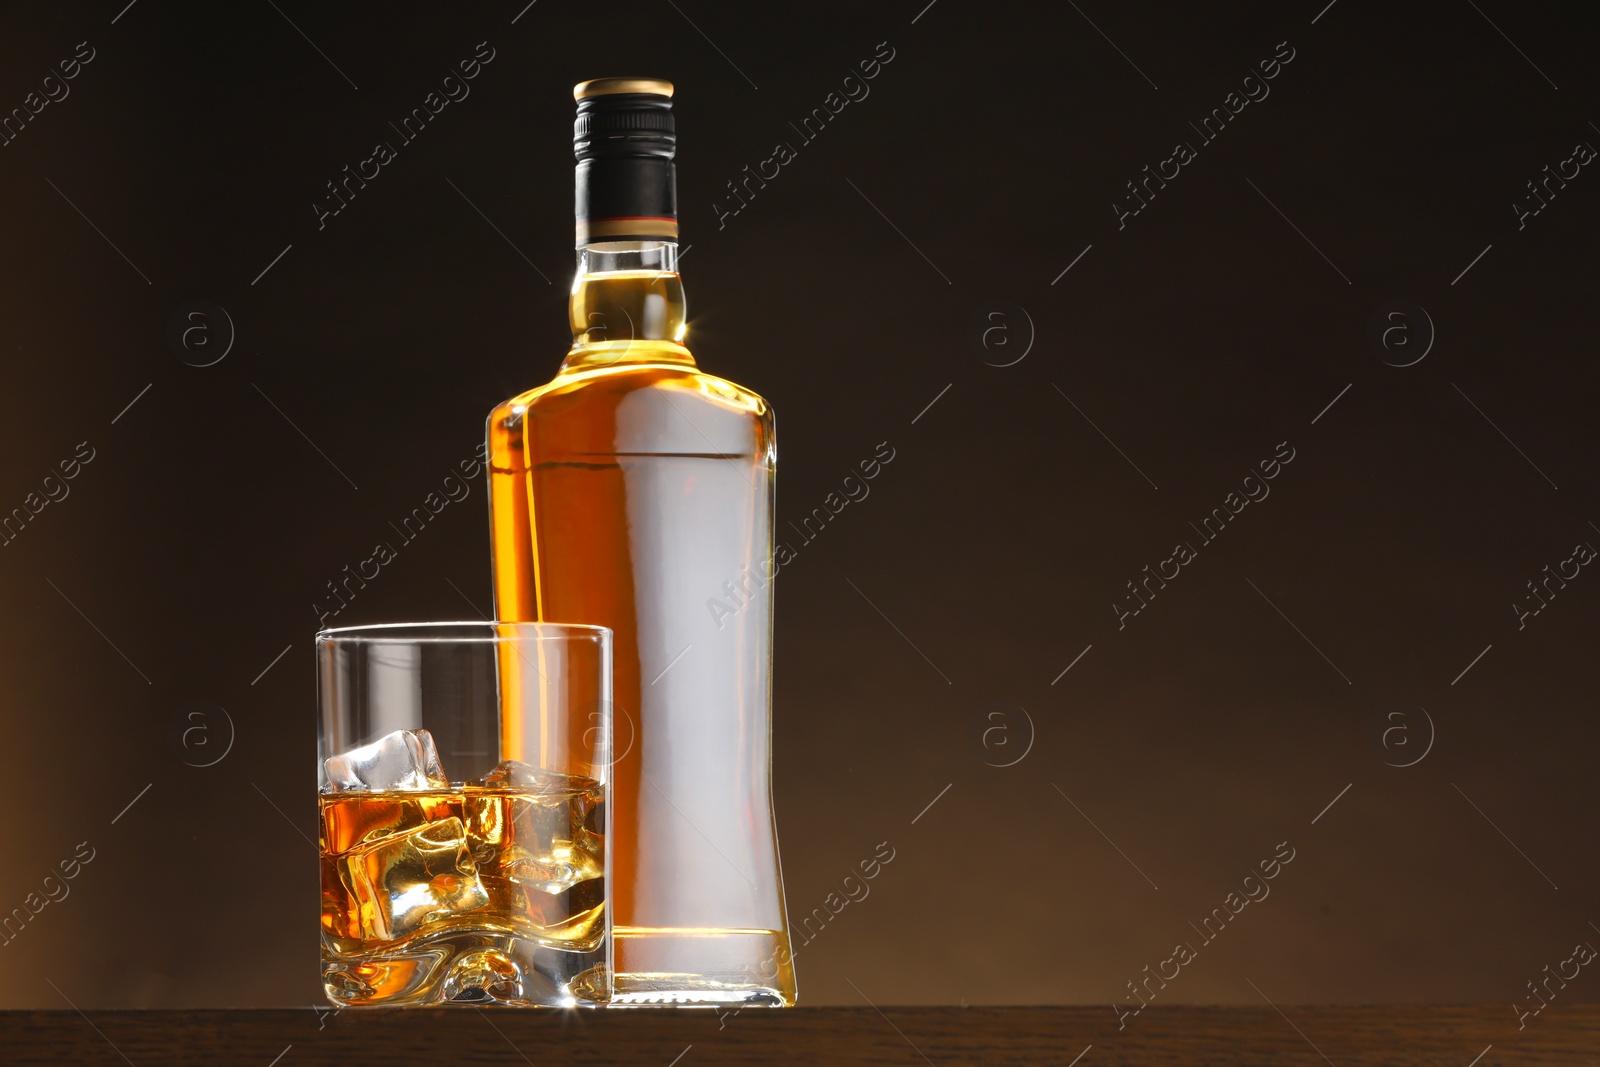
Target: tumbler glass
x: 463, y: 779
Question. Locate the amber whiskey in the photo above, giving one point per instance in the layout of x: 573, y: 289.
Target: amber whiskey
x: 458, y: 895
x: 634, y: 491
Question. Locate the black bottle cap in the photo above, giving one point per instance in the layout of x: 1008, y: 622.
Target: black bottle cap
x: 624, y: 140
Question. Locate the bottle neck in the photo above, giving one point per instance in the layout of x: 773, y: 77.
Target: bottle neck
x: 627, y: 305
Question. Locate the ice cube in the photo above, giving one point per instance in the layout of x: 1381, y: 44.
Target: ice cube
x: 403, y: 760
x: 539, y: 861
x: 351, y: 819
x: 562, y: 903
x: 526, y: 778
x: 573, y: 917
x: 543, y: 815
x: 406, y: 880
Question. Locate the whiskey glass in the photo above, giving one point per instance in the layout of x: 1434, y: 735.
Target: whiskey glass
x: 463, y: 783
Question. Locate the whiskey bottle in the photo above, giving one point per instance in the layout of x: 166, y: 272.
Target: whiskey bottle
x: 634, y: 491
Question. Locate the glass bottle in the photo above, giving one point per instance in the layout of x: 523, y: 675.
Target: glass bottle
x: 635, y: 492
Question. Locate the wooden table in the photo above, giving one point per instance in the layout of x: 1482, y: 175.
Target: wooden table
x: 1454, y: 1036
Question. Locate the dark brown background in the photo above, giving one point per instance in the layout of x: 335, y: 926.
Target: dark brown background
x: 191, y: 549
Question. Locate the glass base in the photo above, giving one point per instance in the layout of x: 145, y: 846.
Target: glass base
x: 471, y: 969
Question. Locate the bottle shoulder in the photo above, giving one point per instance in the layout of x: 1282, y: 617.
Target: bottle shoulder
x: 634, y: 408
x: 669, y: 381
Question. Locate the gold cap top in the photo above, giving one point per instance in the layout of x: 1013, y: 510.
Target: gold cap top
x: 607, y: 86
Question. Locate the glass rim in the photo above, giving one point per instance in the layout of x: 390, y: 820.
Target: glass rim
x: 461, y: 632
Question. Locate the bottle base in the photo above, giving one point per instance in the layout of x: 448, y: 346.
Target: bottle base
x: 702, y: 967
x: 690, y: 991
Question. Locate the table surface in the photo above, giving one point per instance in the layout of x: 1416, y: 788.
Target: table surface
x: 1485, y: 1035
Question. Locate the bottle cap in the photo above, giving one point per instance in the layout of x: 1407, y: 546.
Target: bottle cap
x: 609, y: 86
x: 624, y: 140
